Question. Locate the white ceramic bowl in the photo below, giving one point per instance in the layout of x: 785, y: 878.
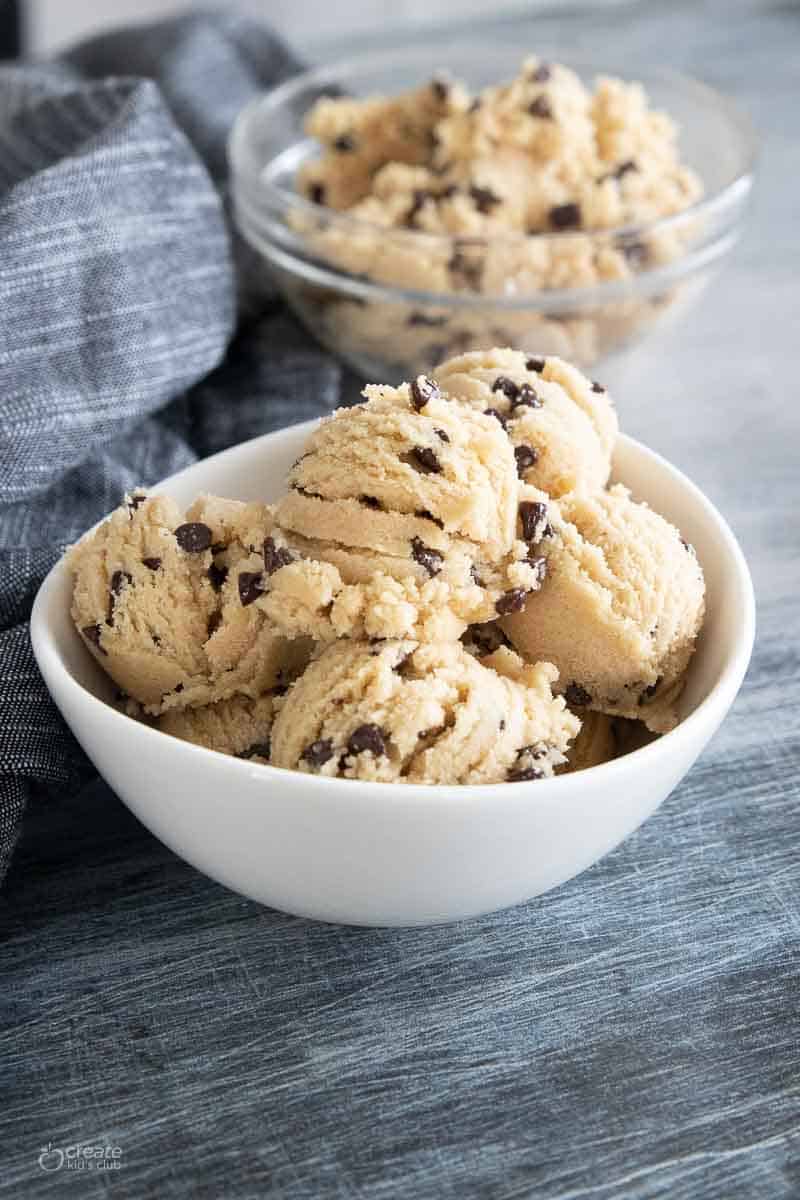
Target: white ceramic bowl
x: 388, y: 854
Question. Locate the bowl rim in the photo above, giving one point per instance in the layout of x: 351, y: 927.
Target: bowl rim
x: 726, y: 195
x: 551, y: 789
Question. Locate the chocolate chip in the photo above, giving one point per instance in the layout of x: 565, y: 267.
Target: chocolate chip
x: 367, y: 737
x: 466, y: 269
x: 688, y: 546
x: 92, y: 634
x: 484, y: 199
x: 597, y: 387
x: 316, y: 193
x: 527, y: 457
x: 523, y: 768
x: 257, y: 750
x: 152, y: 563
x: 502, y: 725
x: 214, y: 622
x: 542, y: 73
x: 533, y: 515
x: 440, y: 87
x: 251, y: 586
x: 318, y: 753
x: 440, y: 433
x: 527, y: 397
x: 425, y: 461
x: 576, y: 695
x: 135, y: 501
x: 650, y: 691
x: 534, y: 364
x: 624, y: 168
x: 155, y: 639
x: 344, y: 143
x: 539, y: 564
x: 194, y: 537
x: 498, y: 416
x: 448, y: 192
x: 421, y: 318
x: 218, y: 547
x: 118, y: 579
x: 426, y: 515
x: 423, y: 389
x: 275, y: 557
x: 217, y: 576
x: 485, y: 639
x: 420, y: 197
x: 370, y: 502
x: 178, y: 689
x: 507, y: 386
x: 565, y: 216
x: 511, y: 601
x: 427, y: 557
x: 541, y: 108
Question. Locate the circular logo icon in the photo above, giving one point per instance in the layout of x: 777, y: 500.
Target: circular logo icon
x: 50, y: 1159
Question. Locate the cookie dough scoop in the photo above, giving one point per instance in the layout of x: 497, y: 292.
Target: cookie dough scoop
x: 620, y: 608
x: 400, y: 711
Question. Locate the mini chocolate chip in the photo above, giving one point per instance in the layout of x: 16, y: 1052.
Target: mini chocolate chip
x: 541, y: 108
x: 178, y: 689
x: 597, y: 387
x: 152, y: 563
x: 650, y: 691
x: 466, y: 269
x: 426, y: 556
x: 135, y: 501
x: 218, y: 547
x: 527, y: 397
x: 534, y: 364
x: 421, y: 318
x: 367, y: 737
x: 539, y: 564
x: 156, y: 640
x: 576, y: 695
x: 118, y: 579
x: 485, y: 639
x: 523, y: 774
x: 507, y: 386
x: 92, y: 634
x: 426, y: 515
x: 565, y: 216
x: 318, y: 753
x: 251, y: 586
x: 344, y: 143
x: 511, y: 601
x: 420, y: 197
x: 533, y: 515
x: 258, y: 749
x: 425, y: 461
x: 217, y: 576
x: 370, y: 502
x: 476, y: 579
x: 502, y: 725
x: 484, y: 199
x: 440, y: 87
x: 275, y: 557
x: 440, y: 433
x: 624, y: 168
x: 316, y: 193
x: 498, y: 416
x: 214, y: 622
x: 527, y: 457
x: 194, y: 537
x: 423, y: 389
x: 688, y: 546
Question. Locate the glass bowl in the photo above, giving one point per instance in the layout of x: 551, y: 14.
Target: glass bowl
x: 356, y: 285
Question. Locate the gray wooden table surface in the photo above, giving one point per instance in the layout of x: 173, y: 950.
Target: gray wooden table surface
x: 635, y: 1033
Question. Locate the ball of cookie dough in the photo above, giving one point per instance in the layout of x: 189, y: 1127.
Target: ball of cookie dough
x: 562, y: 425
x: 398, y: 711
x: 159, y: 600
x: 240, y: 726
x: 620, y: 607
x: 415, y: 501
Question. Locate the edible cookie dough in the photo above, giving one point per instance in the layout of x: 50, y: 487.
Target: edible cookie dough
x: 240, y: 726
x: 158, y: 598
x: 477, y: 176
x: 415, y: 501
x: 561, y: 424
x: 620, y: 608
x: 397, y: 711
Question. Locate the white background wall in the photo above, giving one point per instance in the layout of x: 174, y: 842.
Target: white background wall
x: 306, y: 23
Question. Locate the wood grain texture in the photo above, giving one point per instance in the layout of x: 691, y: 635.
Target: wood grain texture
x: 635, y: 1033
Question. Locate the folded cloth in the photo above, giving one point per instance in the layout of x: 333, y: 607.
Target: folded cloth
x: 120, y: 356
